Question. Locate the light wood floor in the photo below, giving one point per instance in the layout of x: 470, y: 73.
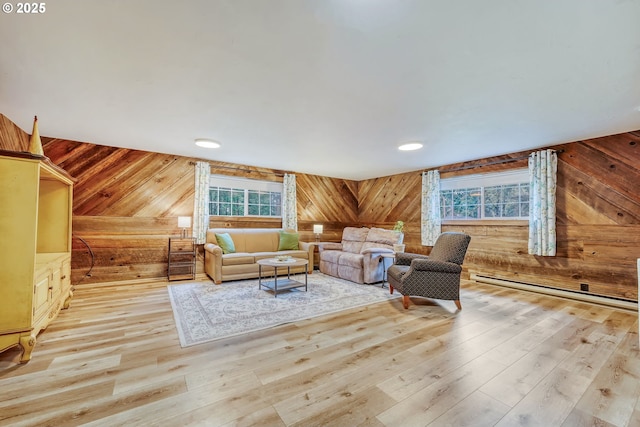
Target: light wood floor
x: 509, y: 358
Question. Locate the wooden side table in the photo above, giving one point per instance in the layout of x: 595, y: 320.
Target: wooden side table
x: 181, y: 264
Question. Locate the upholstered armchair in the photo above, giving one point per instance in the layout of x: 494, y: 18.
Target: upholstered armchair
x: 435, y: 276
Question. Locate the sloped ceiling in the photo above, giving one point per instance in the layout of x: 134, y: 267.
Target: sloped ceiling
x: 326, y: 87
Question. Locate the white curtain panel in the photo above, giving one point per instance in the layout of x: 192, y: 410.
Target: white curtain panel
x: 430, y: 222
x: 201, y: 202
x: 543, y: 166
x: 289, y: 209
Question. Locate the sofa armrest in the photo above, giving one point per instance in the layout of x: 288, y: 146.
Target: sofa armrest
x: 308, y: 247
x: 372, y: 267
x: 377, y: 251
x: 213, y: 262
x: 305, y: 246
x: 329, y: 246
x: 213, y: 249
x: 437, y: 266
x: 404, y: 258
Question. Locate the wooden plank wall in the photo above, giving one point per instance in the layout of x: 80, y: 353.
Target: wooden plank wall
x: 332, y: 202
x: 126, y: 205
x: 12, y: 138
x: 383, y: 201
x: 598, y: 219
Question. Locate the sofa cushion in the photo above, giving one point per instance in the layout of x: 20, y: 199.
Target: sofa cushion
x: 397, y: 271
x: 264, y: 255
x: 330, y: 256
x: 269, y: 255
x: 288, y: 241
x: 352, y: 260
x: 387, y: 237
x: 226, y: 243
x: 381, y: 238
x: 296, y: 254
x: 353, y: 238
x: 261, y: 241
x: 238, y: 259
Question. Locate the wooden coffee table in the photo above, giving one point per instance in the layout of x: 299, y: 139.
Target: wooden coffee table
x: 283, y: 283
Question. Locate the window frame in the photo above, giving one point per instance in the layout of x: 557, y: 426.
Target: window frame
x: 483, y: 181
x: 246, y: 185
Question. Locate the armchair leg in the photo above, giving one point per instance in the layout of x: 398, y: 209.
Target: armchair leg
x: 458, y: 304
x: 405, y: 301
x: 390, y: 288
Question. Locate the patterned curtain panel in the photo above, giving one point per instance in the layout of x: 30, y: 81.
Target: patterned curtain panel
x: 289, y: 209
x: 430, y: 223
x: 201, y: 202
x: 543, y: 166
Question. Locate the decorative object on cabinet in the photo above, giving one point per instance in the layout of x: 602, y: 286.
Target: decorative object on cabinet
x: 36, y: 199
x: 35, y: 144
x: 182, y: 258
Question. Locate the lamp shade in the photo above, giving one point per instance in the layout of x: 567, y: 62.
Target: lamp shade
x: 184, y: 221
x: 317, y: 229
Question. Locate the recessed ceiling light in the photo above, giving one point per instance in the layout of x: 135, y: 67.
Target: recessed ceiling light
x: 207, y: 143
x: 410, y: 146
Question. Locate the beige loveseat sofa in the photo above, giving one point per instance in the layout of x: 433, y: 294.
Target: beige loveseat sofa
x: 358, y: 257
x: 251, y: 245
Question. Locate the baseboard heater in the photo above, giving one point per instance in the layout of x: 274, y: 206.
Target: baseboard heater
x: 595, y: 299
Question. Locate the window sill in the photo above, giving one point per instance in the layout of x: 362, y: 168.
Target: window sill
x: 496, y: 222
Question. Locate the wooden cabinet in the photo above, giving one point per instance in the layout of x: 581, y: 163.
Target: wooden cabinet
x: 35, y: 255
x: 182, y: 258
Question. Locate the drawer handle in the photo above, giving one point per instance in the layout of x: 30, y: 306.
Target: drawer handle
x: 63, y: 277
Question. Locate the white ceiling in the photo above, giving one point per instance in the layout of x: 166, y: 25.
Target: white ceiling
x: 326, y: 87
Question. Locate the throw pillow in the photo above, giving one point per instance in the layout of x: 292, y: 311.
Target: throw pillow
x: 226, y: 243
x: 288, y: 241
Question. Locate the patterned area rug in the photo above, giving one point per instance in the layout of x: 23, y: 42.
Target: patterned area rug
x: 207, y: 312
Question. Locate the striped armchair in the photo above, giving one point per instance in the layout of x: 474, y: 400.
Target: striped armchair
x: 435, y: 276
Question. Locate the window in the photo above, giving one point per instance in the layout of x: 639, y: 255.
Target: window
x: 244, y: 197
x: 500, y: 195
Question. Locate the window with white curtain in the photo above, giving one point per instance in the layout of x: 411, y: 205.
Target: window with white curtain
x: 496, y: 195
x: 230, y: 196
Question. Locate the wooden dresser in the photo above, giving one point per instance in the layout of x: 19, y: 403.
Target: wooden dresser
x: 36, y: 200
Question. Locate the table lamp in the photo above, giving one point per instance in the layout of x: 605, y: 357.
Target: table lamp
x: 317, y: 230
x: 184, y: 222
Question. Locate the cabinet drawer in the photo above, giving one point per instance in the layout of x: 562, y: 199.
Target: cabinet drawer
x: 41, y: 294
x: 66, y: 275
x: 56, y: 283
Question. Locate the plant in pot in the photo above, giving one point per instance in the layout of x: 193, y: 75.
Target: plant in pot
x: 399, y: 227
